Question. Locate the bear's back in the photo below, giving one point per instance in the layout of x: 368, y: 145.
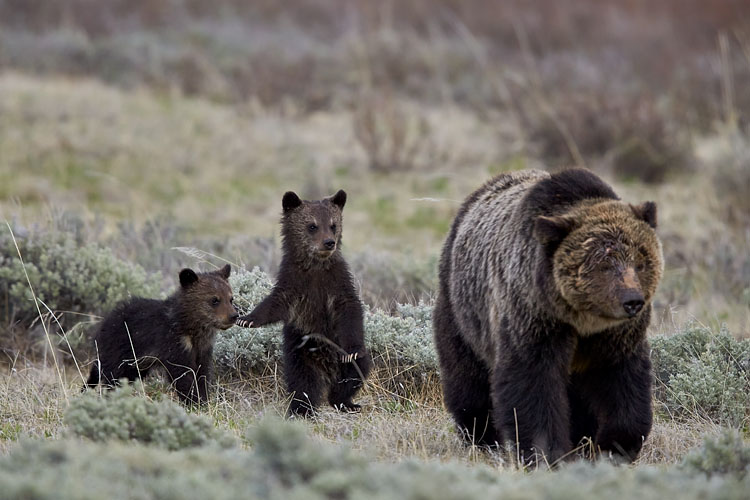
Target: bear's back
x: 138, y: 321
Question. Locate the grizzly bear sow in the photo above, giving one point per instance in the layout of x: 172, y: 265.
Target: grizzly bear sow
x: 546, y: 284
x: 176, y: 334
x: 323, y: 346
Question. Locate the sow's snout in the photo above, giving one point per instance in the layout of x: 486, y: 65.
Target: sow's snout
x: 632, y: 302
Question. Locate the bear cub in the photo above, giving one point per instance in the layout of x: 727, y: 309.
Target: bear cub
x: 546, y: 283
x: 176, y: 334
x: 315, y: 296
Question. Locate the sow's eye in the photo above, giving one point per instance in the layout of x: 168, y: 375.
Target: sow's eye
x: 312, y: 228
x: 215, y: 301
x: 333, y: 228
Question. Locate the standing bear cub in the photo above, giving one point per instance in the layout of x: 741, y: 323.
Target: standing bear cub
x: 176, y: 334
x: 315, y: 296
x: 546, y: 284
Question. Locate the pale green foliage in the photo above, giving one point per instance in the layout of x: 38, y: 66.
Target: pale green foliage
x: 248, y: 349
x: 67, y: 276
x: 702, y: 372
x: 722, y: 455
x: 403, y: 341
x: 120, y: 415
x: 284, y: 464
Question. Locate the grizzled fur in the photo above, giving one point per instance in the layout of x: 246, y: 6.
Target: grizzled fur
x: 176, y: 334
x: 316, y: 299
x: 546, y: 284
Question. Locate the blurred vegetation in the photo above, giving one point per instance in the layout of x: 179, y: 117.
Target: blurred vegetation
x: 119, y: 416
x: 284, y: 463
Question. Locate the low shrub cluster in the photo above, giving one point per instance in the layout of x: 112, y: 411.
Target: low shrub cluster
x: 725, y: 454
x: 700, y: 372
x: 68, y: 277
x: 72, y: 281
x: 120, y: 415
x: 284, y: 464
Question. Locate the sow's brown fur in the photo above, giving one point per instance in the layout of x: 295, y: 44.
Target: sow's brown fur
x: 176, y: 334
x: 546, y: 284
x: 324, y: 348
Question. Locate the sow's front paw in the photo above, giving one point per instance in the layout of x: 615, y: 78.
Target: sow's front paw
x: 244, y: 322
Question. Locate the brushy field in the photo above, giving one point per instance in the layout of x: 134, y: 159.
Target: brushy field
x: 140, y: 137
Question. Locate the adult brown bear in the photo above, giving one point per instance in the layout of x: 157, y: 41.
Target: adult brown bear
x: 546, y: 282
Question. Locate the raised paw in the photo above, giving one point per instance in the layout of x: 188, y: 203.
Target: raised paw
x: 243, y: 323
x: 348, y: 358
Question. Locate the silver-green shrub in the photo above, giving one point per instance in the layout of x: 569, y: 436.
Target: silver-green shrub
x: 704, y: 373
x: 120, y: 415
x: 67, y: 276
x: 282, y: 463
x: 725, y: 454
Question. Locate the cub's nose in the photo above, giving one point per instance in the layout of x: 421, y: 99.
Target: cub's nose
x: 329, y: 244
x: 632, y: 302
x: 233, y: 317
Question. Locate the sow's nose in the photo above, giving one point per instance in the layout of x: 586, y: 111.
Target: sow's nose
x: 632, y: 302
x: 233, y: 317
x: 329, y: 244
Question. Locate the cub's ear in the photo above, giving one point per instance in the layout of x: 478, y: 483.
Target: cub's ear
x: 339, y: 199
x: 550, y: 231
x: 290, y: 201
x: 187, y: 277
x: 646, y: 211
x: 224, y: 272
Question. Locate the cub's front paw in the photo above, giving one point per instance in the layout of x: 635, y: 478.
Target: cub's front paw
x: 244, y: 322
x: 349, y: 358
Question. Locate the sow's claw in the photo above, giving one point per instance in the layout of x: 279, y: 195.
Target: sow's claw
x: 348, y: 358
x: 243, y: 323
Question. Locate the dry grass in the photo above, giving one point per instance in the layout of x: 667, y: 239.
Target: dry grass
x: 389, y: 429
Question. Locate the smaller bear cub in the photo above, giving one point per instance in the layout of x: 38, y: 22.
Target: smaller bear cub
x: 176, y: 334
x: 315, y: 296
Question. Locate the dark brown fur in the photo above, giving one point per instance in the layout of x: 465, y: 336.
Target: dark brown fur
x: 316, y: 299
x: 176, y: 334
x: 541, y: 316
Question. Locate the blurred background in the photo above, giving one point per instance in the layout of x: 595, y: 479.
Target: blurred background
x: 142, y: 126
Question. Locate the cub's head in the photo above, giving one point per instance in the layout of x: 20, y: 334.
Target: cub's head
x: 606, y: 261
x: 208, y: 297
x: 312, y: 229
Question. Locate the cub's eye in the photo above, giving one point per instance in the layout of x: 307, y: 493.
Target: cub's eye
x: 639, y: 268
x: 312, y: 228
x: 231, y: 300
x: 333, y: 228
x: 215, y: 301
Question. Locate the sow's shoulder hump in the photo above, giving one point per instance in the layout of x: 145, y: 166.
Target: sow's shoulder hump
x: 484, y: 222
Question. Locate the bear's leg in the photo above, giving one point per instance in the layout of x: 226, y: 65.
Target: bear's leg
x: 348, y: 382
x: 465, y: 380
x: 530, y: 396
x: 183, y: 372
x: 303, y: 376
x: 582, y: 420
x: 619, y: 392
x: 94, y: 376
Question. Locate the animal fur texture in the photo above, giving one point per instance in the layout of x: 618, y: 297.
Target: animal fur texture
x: 546, y: 282
x: 176, y: 335
x: 316, y: 298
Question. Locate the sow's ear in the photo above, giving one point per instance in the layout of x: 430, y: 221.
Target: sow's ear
x: 290, y: 201
x: 646, y: 211
x: 224, y: 272
x: 550, y: 231
x: 187, y: 277
x: 339, y: 199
